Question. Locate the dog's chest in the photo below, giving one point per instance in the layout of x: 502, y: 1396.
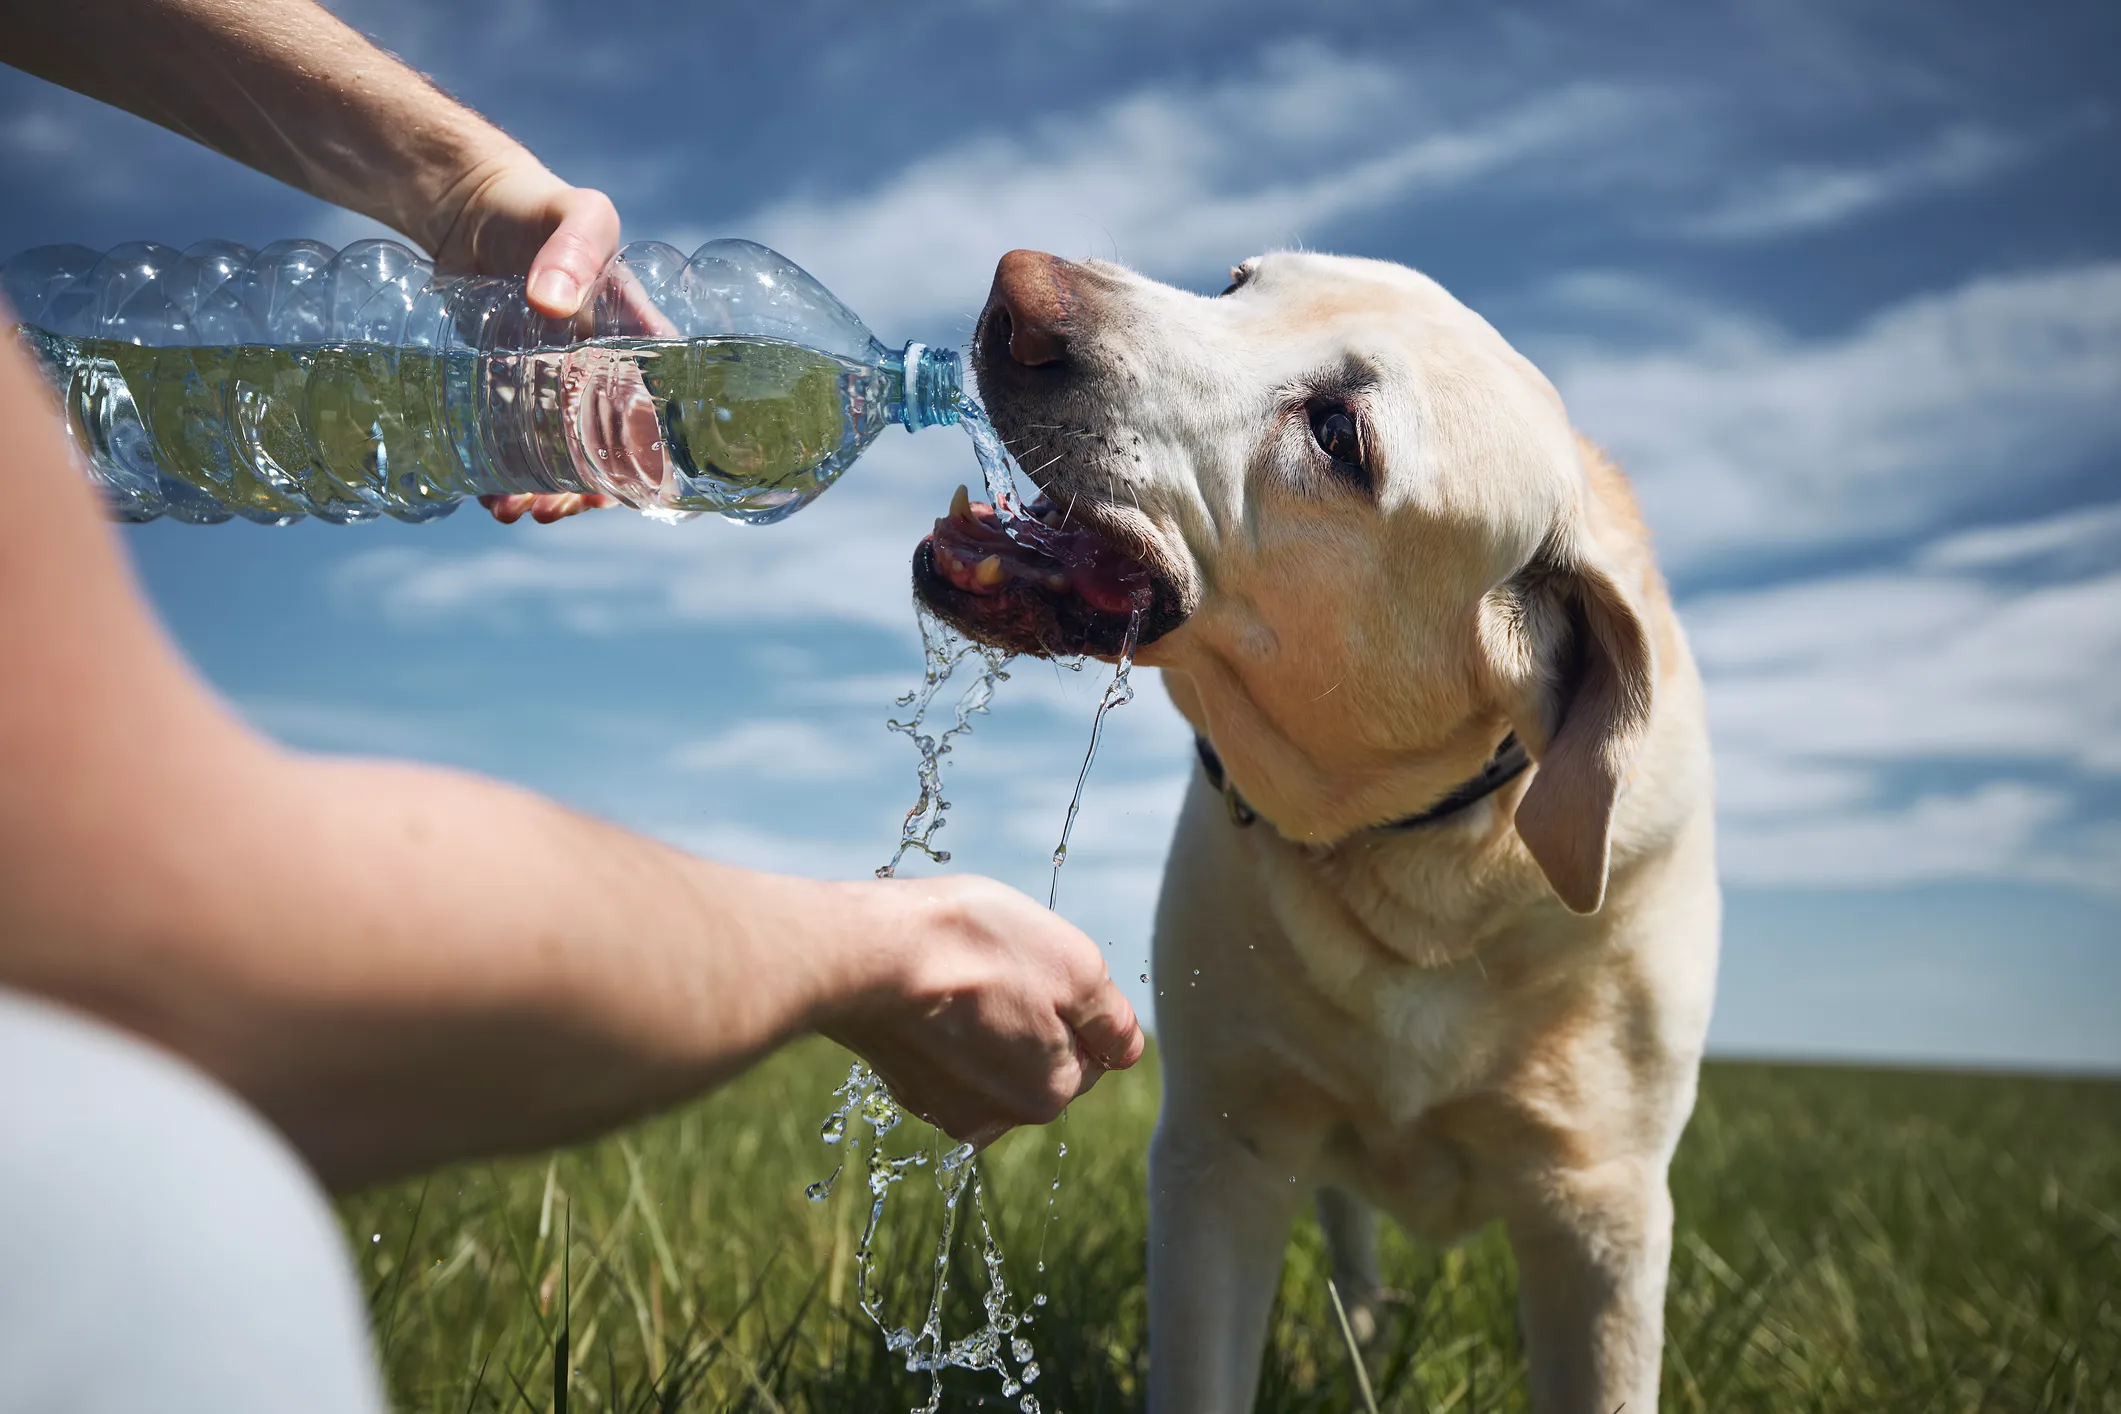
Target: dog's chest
x: 1428, y: 1035
x: 1413, y: 1017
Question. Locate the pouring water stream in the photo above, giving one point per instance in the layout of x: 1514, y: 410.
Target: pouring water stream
x: 1001, y: 1340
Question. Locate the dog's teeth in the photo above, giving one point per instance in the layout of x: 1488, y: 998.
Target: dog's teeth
x: 961, y: 504
x: 989, y: 572
x: 945, y: 559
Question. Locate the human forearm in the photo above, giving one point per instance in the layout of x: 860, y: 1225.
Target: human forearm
x: 281, y: 85
x: 403, y: 966
x: 422, y: 966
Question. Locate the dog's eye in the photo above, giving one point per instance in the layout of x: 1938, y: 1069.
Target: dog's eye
x: 1339, y: 436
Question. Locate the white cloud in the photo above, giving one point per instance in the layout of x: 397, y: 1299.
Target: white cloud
x: 778, y: 749
x: 1179, y: 182
x: 1982, y: 834
x: 1812, y: 197
x: 1746, y: 440
x: 2067, y: 543
x: 1825, y: 693
x: 1914, y: 667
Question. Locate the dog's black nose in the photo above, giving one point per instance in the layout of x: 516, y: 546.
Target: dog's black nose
x: 1028, y: 309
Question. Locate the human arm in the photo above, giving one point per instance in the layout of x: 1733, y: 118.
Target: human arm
x: 400, y: 965
x: 285, y: 87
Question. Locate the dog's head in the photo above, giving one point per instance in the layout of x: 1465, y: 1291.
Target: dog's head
x: 1349, y: 521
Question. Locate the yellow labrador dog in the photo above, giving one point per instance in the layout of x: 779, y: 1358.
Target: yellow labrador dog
x: 1438, y: 935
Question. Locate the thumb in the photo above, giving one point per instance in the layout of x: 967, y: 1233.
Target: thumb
x: 1106, y: 1028
x: 575, y: 253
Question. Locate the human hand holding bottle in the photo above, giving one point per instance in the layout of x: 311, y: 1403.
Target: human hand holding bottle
x: 513, y: 217
x: 300, y: 96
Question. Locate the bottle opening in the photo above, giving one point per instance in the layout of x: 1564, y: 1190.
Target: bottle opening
x: 934, y: 387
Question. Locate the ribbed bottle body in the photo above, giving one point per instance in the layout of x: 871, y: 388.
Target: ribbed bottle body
x: 300, y: 381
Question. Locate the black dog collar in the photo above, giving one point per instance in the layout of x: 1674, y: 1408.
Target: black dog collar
x: 1506, y: 765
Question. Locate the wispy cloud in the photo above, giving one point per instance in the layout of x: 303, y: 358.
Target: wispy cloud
x: 1177, y: 181
x: 1809, y: 197
x: 1993, y: 832
x: 1828, y: 695
x: 2072, y: 544
x: 778, y: 749
x: 1746, y: 440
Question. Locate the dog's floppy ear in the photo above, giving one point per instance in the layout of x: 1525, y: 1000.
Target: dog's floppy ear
x: 1582, y: 713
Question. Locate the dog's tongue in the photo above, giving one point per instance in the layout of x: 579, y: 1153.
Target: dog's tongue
x: 985, y: 553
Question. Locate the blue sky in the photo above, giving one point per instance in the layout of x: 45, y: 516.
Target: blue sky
x: 1840, y: 284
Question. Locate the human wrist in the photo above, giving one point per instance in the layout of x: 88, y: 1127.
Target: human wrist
x: 862, y: 961
x: 450, y: 196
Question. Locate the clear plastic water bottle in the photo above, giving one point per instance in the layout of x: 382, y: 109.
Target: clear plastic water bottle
x: 219, y: 381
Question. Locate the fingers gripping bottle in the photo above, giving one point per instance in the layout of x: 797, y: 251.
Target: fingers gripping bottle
x: 293, y: 381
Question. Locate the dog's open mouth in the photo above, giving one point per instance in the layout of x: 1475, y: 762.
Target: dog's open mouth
x: 1039, y: 583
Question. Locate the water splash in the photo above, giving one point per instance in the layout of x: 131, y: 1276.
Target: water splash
x: 942, y: 650
x: 1001, y: 1346
x: 1118, y: 693
x: 864, y: 1098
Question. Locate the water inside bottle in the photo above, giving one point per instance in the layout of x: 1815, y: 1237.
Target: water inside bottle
x: 749, y: 427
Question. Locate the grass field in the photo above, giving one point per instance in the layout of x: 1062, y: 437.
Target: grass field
x: 1848, y: 1241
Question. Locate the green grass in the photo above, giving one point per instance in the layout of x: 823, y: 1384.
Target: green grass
x: 1848, y: 1241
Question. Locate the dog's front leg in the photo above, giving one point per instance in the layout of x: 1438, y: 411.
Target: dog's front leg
x: 1592, y: 1256
x: 1220, y: 1203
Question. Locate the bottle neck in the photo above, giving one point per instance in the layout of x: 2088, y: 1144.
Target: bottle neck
x: 934, y: 387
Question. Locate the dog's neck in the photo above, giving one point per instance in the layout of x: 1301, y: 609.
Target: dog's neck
x: 1509, y: 761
